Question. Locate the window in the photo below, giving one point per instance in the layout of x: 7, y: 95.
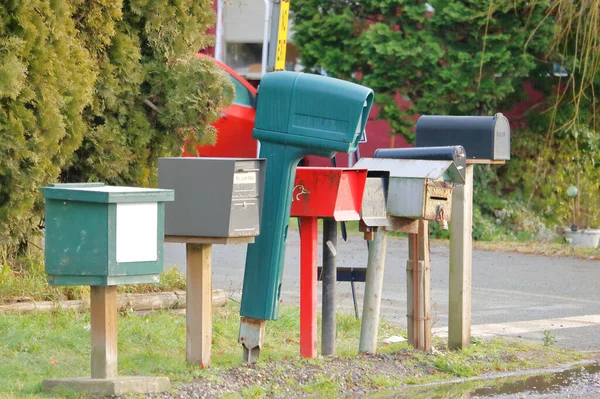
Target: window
x: 242, y: 95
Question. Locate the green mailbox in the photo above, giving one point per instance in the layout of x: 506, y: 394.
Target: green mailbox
x: 104, y: 235
x: 297, y: 115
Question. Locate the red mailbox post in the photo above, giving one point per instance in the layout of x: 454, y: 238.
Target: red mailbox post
x: 320, y: 193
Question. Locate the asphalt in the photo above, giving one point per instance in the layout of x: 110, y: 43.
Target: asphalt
x: 513, y: 295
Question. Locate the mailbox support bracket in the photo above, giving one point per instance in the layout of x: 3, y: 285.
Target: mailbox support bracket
x: 252, y: 337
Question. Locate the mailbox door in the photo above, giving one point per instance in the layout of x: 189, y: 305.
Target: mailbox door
x: 72, y: 248
x: 374, y: 204
x: 438, y: 201
x: 246, y: 196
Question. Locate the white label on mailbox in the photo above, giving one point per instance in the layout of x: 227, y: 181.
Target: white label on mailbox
x: 244, y: 178
x: 137, y: 232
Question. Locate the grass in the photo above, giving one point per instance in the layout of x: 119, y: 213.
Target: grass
x: 24, y: 277
x: 42, y: 346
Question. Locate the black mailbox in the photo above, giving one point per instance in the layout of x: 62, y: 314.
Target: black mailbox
x: 483, y: 137
x: 450, y: 153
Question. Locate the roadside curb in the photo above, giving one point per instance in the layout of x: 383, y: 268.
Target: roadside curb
x: 135, y: 302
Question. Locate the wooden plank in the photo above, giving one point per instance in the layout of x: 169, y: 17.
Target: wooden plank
x: 404, y: 225
x: 308, y: 286
x: 485, y: 162
x: 410, y: 290
x: 461, y: 247
x: 103, y: 303
x: 425, y: 274
x: 425, y: 287
x: 210, y: 240
x: 199, y: 304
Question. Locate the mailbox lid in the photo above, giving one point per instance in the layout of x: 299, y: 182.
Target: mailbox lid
x: 311, y: 109
x: 414, y: 168
x: 483, y: 137
x: 455, y: 154
x: 328, y: 192
x: 98, y: 192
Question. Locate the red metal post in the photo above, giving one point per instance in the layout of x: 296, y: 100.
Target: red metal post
x: 308, y: 287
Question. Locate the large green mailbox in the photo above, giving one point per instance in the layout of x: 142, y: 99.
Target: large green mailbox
x: 297, y: 115
x: 104, y: 235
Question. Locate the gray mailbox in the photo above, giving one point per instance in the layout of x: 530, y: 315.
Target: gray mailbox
x: 216, y: 197
x: 373, y: 212
x: 483, y: 137
x: 418, y: 189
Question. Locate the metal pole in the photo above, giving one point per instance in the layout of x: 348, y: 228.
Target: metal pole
x: 329, y: 277
x: 276, y: 7
x: 373, y: 290
x: 219, y: 32
x: 265, y: 49
x: 308, y: 287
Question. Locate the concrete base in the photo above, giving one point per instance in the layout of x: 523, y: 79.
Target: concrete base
x: 113, y: 386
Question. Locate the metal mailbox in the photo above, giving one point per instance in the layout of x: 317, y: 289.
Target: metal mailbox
x: 102, y: 235
x: 483, y: 137
x: 373, y: 211
x: 328, y: 192
x: 418, y: 189
x: 216, y: 197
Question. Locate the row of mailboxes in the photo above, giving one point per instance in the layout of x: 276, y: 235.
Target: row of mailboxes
x: 102, y: 235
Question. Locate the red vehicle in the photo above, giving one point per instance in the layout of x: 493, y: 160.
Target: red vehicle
x: 234, y: 128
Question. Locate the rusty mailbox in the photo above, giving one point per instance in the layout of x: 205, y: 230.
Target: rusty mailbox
x: 320, y: 193
x: 418, y: 189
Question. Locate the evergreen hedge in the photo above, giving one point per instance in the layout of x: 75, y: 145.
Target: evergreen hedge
x: 97, y: 91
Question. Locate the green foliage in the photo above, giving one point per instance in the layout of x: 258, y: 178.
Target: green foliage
x: 548, y: 339
x: 97, y: 91
x: 459, y: 59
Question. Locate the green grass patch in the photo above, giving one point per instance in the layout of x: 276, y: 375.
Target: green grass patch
x: 42, y: 346
x: 24, y: 277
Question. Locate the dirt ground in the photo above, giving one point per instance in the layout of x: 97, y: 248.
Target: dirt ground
x: 284, y: 379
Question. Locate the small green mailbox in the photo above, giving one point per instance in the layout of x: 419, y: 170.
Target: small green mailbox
x: 102, y: 235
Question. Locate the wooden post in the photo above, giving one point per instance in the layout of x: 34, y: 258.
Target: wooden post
x: 418, y: 288
x: 459, y: 307
x: 425, y: 285
x: 308, y: 287
x: 373, y: 290
x: 198, y: 304
x: 103, y: 304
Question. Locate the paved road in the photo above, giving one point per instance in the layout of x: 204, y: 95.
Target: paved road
x: 514, y: 294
